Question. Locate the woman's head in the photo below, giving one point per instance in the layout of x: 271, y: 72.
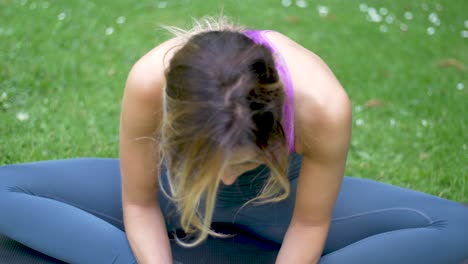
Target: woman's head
x: 223, y: 106
x: 230, y: 87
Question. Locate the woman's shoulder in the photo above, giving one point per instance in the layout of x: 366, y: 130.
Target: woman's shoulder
x: 150, y: 68
x: 142, y: 99
x: 146, y: 79
x: 320, y: 101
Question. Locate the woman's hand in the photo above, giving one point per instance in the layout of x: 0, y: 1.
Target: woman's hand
x: 302, y: 244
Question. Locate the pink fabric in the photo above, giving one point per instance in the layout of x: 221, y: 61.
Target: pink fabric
x: 259, y: 37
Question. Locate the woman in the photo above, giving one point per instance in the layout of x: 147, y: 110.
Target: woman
x: 223, y: 124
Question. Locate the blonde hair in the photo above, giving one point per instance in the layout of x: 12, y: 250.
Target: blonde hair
x: 204, y: 24
x: 203, y: 124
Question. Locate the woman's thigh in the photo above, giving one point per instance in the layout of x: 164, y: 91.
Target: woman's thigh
x: 90, y: 184
x: 364, y: 208
x: 67, y: 209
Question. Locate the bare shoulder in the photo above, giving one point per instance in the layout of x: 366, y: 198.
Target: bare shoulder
x: 147, y: 76
x: 142, y: 97
x: 322, y: 106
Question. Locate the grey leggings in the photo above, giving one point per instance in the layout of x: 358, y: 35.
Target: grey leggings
x: 71, y: 210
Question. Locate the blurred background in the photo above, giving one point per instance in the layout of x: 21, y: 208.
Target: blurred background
x: 63, y: 66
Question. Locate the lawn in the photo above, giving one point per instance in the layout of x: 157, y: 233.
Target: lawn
x: 403, y: 64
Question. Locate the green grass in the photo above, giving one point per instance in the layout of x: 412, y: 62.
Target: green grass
x: 68, y: 75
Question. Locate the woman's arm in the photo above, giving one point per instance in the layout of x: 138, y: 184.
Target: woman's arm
x: 323, y: 165
x: 140, y: 118
x: 323, y: 133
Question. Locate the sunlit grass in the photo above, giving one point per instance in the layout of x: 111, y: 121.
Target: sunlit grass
x: 64, y: 65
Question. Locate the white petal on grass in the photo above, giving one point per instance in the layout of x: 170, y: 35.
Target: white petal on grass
x: 363, y: 7
x: 392, y: 122
x: 358, y: 108
x: 286, y: 3
x: 61, y: 16
x: 424, y: 123
x: 383, y: 11
x: 301, y: 3
x: 460, y: 86
x: 464, y: 33
x: 22, y: 116
x: 408, y: 15
x: 120, y: 20
x: 4, y: 96
x: 403, y: 27
x: 109, y: 31
x: 430, y: 31
x: 465, y: 23
x: 389, y: 19
x: 383, y: 28
x: 434, y: 18
x: 322, y: 10
x: 373, y: 15
x: 162, y: 4
x: 359, y: 122
x: 464, y: 146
